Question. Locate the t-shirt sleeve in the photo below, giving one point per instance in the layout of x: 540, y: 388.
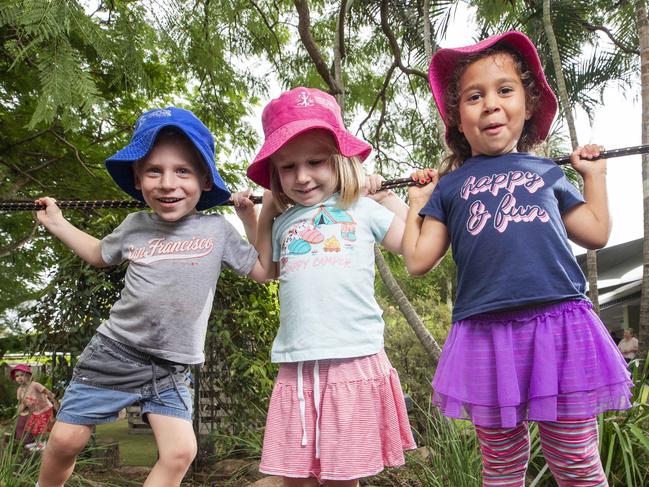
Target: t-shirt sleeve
x: 238, y: 254
x: 380, y: 219
x: 434, y: 207
x: 111, y: 244
x: 568, y: 196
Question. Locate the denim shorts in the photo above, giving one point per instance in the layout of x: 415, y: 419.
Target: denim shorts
x: 110, y: 376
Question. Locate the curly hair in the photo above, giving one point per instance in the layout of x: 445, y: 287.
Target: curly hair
x: 456, y: 141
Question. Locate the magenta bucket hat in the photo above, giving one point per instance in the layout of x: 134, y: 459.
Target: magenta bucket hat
x: 22, y: 368
x: 445, y: 60
x: 295, y: 112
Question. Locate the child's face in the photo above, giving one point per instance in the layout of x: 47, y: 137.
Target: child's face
x: 492, y: 105
x: 21, y: 377
x: 171, y: 180
x: 304, y: 168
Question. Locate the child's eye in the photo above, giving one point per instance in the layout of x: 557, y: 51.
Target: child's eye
x: 315, y: 162
x: 152, y: 170
x: 505, y: 90
x: 286, y: 168
x: 183, y: 171
x: 473, y: 97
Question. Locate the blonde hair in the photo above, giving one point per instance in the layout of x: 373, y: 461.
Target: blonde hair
x: 348, y: 172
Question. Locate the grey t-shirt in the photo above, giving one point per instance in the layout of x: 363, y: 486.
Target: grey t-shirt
x: 170, y: 281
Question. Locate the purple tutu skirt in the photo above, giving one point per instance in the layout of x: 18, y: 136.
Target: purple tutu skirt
x: 542, y: 363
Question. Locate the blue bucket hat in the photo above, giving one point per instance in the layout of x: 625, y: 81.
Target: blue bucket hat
x: 147, y: 127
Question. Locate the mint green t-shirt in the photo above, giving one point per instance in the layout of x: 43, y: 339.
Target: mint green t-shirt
x: 325, y: 258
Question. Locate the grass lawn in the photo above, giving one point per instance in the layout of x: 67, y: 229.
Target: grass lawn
x: 133, y: 449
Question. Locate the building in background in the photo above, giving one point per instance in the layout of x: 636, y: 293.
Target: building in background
x: 619, y: 277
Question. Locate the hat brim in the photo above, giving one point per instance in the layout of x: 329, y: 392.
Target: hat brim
x: 120, y: 167
x: 348, y: 145
x: 445, y: 60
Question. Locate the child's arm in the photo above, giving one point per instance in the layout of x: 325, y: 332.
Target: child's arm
x: 264, y: 242
x: 21, y: 404
x: 85, y: 246
x: 394, y: 236
x: 245, y: 210
x: 589, y: 224
x: 264, y: 269
x: 425, y: 240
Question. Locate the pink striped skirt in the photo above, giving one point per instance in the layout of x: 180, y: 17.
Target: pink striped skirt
x: 337, y: 419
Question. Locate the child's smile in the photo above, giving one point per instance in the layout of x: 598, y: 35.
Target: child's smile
x: 492, y: 105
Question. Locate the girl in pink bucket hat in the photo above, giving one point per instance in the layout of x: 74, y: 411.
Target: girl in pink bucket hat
x: 337, y: 412
x: 525, y: 343
x: 35, y: 407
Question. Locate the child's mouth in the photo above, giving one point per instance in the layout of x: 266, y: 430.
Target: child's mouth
x: 169, y: 201
x: 493, y: 128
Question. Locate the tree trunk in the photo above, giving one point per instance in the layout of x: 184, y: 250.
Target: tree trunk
x: 643, y: 34
x: 591, y: 255
x: 427, y: 341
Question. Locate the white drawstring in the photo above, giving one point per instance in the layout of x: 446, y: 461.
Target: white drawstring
x: 300, y: 398
x: 316, y: 403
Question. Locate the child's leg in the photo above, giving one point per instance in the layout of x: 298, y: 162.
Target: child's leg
x: 571, y: 451
x: 20, y: 428
x: 176, y: 448
x: 65, y: 443
x: 505, y: 454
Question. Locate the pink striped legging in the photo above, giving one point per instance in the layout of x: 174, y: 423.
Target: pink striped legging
x: 570, y: 447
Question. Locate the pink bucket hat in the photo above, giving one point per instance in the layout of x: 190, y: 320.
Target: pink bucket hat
x: 297, y: 111
x: 20, y: 367
x: 444, y: 62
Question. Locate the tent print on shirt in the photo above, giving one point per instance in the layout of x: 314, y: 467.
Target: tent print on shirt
x: 304, y: 237
x: 330, y: 215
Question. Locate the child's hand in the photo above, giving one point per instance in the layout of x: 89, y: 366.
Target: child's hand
x: 582, y: 160
x: 243, y: 205
x: 51, y: 214
x: 372, y: 187
x: 419, y: 195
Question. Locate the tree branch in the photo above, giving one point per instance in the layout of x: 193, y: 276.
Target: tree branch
x: 8, y: 249
x: 394, y: 45
x: 380, y: 95
x: 75, y: 150
x: 6, y: 148
x: 303, y: 26
x: 622, y: 47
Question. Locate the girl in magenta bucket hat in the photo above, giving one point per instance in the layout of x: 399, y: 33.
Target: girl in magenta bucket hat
x: 525, y: 344
x: 337, y: 412
x: 295, y: 112
x: 35, y: 407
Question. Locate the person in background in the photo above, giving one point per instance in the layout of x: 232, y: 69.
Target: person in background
x: 628, y: 345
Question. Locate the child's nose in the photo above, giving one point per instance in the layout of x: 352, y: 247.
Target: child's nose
x: 302, y: 174
x: 167, y: 180
x: 490, y: 103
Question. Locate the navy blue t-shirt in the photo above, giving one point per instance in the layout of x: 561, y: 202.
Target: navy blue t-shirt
x: 503, y: 215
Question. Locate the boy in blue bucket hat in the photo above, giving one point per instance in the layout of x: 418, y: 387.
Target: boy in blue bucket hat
x: 158, y: 326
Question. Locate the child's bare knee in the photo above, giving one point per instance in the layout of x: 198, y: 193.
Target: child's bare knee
x: 179, y: 457
x: 68, y: 441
